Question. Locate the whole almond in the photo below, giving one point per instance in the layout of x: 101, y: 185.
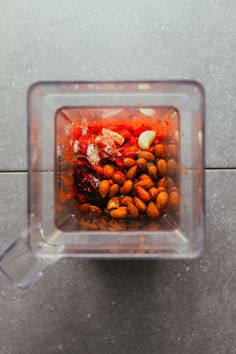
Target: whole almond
x: 146, y: 183
x: 141, y: 206
x: 95, y: 210
x: 142, y: 164
x: 161, y: 189
x: 108, y: 171
x: 134, y: 225
x: 114, y: 190
x: 119, y: 213
x: 153, y: 172
x: 127, y: 187
x: 162, y: 200
x: 126, y: 200
x: 132, y: 172
x: 152, y: 210
x: 169, y: 183
x: 148, y: 156
x: 159, y: 151
x: 143, y: 194
x: 117, y: 225
x: 104, y: 188
x: 119, y: 177
x: 88, y: 224
x: 128, y: 162
x: 113, y: 203
x: 102, y: 223
x: 174, y: 199
x: 171, y: 150
x: 162, y: 182
x: 143, y: 176
x: 162, y: 167
x: 171, y: 167
x: 153, y: 193
x: 84, y: 208
x: 133, y: 211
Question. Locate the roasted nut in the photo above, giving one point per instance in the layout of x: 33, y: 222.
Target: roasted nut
x: 148, y: 156
x: 128, y: 162
x: 99, y: 169
x: 171, y: 167
x: 119, y: 177
x: 108, y: 171
x: 119, y: 213
x: 95, y: 210
x: 171, y: 150
x: 127, y: 187
x: 153, y: 193
x: 133, y: 211
x: 161, y: 189
x: 162, y: 167
x: 152, y: 225
x: 153, y: 172
x: 173, y: 189
x: 114, y: 190
x: 142, y: 164
x: 152, y: 210
x: 127, y: 199
x: 111, y: 182
x: 162, y: 200
x: 104, y: 188
x: 113, y: 203
x: 84, y: 208
x: 159, y: 151
x: 117, y: 225
x: 162, y: 182
x: 174, y: 199
x: 102, y: 223
x: 141, y: 206
x: 169, y: 183
x: 143, y: 194
x: 143, y: 176
x: 131, y: 173
x: 146, y: 183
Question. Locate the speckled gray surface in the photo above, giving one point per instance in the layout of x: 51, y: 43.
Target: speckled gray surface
x: 130, y: 307
x: 118, y: 40
x: 87, y: 307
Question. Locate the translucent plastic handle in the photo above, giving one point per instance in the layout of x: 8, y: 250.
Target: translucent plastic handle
x: 21, y: 265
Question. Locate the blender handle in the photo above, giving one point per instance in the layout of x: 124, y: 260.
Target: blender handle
x: 20, y: 265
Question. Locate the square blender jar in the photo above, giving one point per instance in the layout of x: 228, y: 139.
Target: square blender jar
x: 56, y: 228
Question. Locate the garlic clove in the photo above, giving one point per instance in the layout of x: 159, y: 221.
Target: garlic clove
x: 116, y: 137
x: 146, y: 139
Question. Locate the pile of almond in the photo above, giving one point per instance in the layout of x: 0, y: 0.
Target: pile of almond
x: 139, y: 193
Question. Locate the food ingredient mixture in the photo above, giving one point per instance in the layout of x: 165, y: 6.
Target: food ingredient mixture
x: 120, y: 168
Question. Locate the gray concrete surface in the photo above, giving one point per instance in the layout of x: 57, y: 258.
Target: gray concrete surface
x: 179, y: 307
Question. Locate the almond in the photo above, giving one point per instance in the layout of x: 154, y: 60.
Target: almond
x: 133, y: 211
x: 127, y: 187
x: 102, y: 223
x: 152, y: 211
x: 146, y: 183
x: 143, y: 176
x: 126, y: 200
x: 148, y: 156
x: 128, y: 162
x: 161, y: 200
x: 161, y: 189
x: 108, y: 171
x: 113, y: 203
x: 84, y: 208
x: 142, y: 164
x: 171, y: 167
x: 104, y: 188
x: 162, y: 167
x: 131, y: 173
x: 174, y: 199
x: 159, y: 151
x: 95, y: 210
x: 162, y: 182
x: 88, y: 224
x: 169, y: 183
x: 134, y: 225
x: 119, y: 213
x: 153, y: 172
x: 153, y: 193
x: 117, y: 225
x: 119, y: 177
x: 143, y: 194
x: 141, y: 206
x: 114, y: 190
x: 171, y: 150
